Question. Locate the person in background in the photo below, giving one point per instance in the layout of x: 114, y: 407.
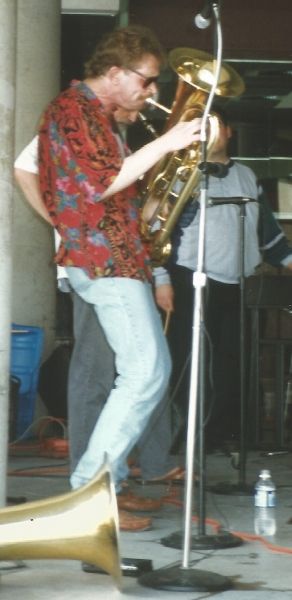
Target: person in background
x: 264, y: 241
x: 87, y: 187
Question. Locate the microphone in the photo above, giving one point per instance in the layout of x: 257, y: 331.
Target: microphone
x: 203, y: 19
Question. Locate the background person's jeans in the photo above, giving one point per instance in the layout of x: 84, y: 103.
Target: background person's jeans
x: 132, y: 325
x: 91, y: 377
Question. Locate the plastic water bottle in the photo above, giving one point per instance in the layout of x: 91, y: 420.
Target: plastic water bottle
x: 265, y: 502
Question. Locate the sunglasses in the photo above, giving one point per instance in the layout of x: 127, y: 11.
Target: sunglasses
x: 147, y: 80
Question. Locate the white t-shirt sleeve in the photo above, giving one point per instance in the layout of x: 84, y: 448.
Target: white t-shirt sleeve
x: 27, y: 160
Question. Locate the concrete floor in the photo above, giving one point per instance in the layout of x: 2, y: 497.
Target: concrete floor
x: 256, y: 569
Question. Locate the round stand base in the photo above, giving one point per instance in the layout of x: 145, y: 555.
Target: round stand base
x: 203, y: 542
x: 234, y: 489
x: 178, y: 579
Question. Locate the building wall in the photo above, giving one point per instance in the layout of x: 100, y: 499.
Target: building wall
x: 251, y: 29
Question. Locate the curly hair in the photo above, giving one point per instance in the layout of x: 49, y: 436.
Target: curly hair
x: 123, y: 47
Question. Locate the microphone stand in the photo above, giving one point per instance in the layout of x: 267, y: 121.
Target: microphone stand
x: 182, y: 577
x: 241, y: 487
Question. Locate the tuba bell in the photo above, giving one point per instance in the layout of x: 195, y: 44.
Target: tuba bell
x: 79, y: 525
x: 168, y: 186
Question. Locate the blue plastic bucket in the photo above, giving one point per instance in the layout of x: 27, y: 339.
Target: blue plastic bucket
x: 25, y: 359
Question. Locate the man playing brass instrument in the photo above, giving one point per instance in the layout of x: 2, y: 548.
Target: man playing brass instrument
x: 88, y: 189
x: 92, y: 363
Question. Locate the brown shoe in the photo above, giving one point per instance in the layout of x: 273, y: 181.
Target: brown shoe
x: 130, y: 522
x: 135, y: 472
x: 134, y: 503
x: 176, y: 475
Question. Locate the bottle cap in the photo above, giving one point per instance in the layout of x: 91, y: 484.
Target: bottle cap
x: 265, y: 474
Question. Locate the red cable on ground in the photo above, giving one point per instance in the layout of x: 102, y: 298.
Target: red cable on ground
x: 249, y: 537
x: 257, y: 538
x: 52, y: 447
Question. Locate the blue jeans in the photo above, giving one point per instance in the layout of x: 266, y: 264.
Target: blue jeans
x: 91, y: 378
x: 130, y: 320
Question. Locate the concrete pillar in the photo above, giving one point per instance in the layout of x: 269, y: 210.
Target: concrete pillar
x: 7, y: 92
x: 37, y: 82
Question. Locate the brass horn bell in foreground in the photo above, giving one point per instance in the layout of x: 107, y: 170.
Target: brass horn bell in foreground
x: 172, y: 181
x: 80, y: 525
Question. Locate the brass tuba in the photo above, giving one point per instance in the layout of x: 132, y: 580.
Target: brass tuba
x: 172, y: 181
x: 80, y: 525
